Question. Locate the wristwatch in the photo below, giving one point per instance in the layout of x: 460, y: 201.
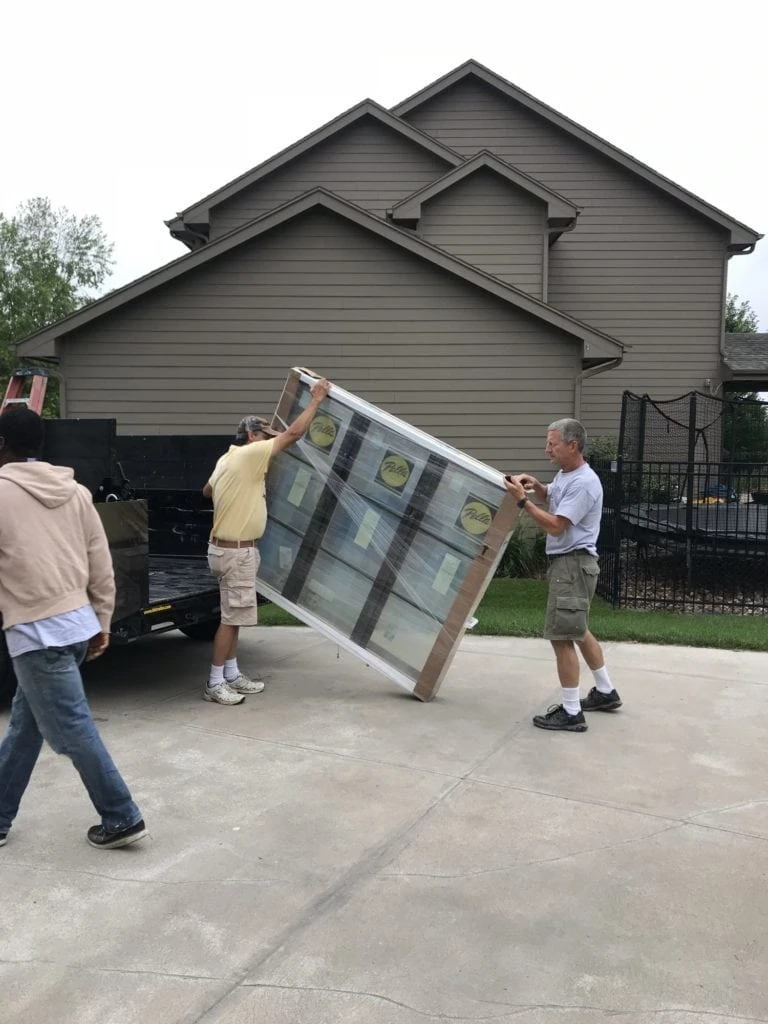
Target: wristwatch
x: 522, y: 503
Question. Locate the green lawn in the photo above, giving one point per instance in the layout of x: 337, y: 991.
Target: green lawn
x: 514, y: 607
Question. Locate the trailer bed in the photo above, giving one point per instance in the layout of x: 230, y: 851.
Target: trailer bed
x: 172, y: 577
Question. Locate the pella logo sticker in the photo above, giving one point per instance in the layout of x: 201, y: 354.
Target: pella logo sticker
x: 394, y: 471
x: 476, y: 516
x: 323, y: 431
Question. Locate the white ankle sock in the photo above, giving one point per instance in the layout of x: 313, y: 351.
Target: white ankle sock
x: 231, y: 671
x: 571, y: 701
x: 216, y: 678
x: 602, y: 680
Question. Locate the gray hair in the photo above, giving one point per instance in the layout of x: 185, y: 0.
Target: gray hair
x: 570, y: 430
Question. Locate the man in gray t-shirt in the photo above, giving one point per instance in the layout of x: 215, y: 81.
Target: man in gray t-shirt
x: 572, y: 525
x: 578, y: 497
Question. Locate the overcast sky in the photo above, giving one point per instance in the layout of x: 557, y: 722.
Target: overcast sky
x: 135, y: 111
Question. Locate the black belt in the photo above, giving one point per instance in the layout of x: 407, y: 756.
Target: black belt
x: 576, y: 551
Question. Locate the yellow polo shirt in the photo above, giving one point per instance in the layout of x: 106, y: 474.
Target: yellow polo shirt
x: 239, y: 494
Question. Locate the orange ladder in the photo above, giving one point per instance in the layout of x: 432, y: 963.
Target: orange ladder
x: 33, y: 398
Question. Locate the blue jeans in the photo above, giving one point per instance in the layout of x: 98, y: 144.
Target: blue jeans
x: 50, y: 705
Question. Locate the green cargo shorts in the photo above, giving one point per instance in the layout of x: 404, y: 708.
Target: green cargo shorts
x: 572, y: 580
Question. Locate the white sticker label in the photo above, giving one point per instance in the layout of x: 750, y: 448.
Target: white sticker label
x: 445, y: 574
x: 364, y: 534
x: 286, y: 558
x: 300, y: 484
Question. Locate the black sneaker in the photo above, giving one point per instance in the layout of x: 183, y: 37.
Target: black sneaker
x: 596, y: 701
x: 558, y: 718
x: 103, y: 840
x: 3, y: 838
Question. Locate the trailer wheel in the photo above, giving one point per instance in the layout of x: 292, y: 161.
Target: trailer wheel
x: 201, y: 630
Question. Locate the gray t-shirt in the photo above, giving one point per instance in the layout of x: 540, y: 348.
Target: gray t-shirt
x: 578, y: 496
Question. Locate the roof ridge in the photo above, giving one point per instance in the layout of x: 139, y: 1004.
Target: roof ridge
x: 317, y: 136
x: 300, y: 204
x: 487, y: 158
x: 586, y: 135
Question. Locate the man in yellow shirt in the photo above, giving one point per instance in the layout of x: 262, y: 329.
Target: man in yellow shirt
x: 239, y: 520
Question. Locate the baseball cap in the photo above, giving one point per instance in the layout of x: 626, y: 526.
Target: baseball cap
x: 257, y: 425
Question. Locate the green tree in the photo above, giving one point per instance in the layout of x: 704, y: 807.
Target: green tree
x: 740, y: 318
x: 745, y: 417
x: 51, y: 263
x: 745, y: 427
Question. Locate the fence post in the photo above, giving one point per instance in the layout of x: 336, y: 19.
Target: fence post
x: 617, y: 500
x: 690, y: 492
x: 640, y: 454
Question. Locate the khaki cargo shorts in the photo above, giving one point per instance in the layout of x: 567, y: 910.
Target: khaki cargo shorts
x: 572, y: 581
x: 236, y: 569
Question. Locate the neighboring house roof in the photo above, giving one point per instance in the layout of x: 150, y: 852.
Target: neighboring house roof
x: 561, y: 213
x: 197, y: 214
x: 741, y: 235
x: 597, y: 346
x: 746, y: 354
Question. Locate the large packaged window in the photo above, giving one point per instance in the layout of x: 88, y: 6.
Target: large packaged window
x: 381, y: 537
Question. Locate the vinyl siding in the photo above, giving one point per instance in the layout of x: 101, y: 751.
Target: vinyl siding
x: 493, y: 225
x: 195, y: 355
x: 639, y: 265
x: 368, y: 164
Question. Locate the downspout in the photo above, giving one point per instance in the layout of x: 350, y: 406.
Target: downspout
x: 593, y: 371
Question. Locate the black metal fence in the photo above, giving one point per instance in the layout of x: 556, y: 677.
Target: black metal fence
x: 685, y: 521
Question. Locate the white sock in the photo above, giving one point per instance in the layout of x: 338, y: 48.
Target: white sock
x: 571, y: 701
x: 216, y: 678
x: 231, y: 671
x: 602, y: 680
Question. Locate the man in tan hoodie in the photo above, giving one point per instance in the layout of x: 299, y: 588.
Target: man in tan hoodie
x: 57, y: 595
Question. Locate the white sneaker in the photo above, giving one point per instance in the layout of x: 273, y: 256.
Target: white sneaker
x: 221, y: 694
x: 242, y: 684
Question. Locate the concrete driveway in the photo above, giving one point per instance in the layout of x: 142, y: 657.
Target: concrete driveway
x: 334, y: 852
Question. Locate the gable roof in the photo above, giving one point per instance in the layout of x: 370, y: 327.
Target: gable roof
x: 741, y: 235
x: 597, y: 346
x: 746, y: 354
x: 561, y: 213
x: 197, y: 214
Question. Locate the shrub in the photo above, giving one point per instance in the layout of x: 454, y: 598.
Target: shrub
x: 525, y: 556
x: 602, y: 449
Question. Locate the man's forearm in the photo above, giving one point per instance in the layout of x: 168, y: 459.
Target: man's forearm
x: 299, y: 426
x: 549, y: 523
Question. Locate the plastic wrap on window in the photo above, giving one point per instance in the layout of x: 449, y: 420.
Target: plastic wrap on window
x: 381, y: 537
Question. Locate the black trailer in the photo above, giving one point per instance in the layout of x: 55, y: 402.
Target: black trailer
x: 148, y: 492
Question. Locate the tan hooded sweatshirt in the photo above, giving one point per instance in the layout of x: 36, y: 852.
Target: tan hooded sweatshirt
x: 54, y: 555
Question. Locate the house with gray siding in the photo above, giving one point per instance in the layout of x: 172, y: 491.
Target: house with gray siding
x: 470, y: 260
